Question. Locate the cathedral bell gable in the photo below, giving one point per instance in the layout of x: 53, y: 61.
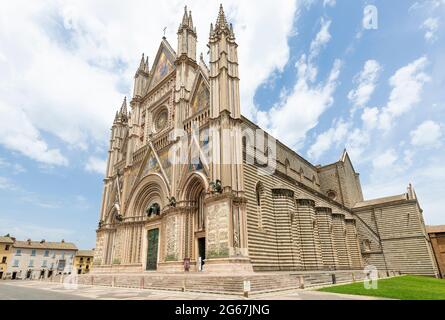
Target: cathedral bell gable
x: 163, y: 65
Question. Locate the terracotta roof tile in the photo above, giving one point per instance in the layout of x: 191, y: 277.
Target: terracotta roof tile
x: 6, y: 240
x: 85, y: 253
x: 45, y: 245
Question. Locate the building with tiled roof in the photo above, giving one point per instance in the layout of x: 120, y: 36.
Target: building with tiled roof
x: 83, y: 261
x: 5, y: 254
x: 40, y: 259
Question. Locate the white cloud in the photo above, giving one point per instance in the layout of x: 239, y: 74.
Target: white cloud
x: 325, y: 140
x: 7, y: 184
x: 356, y: 143
x: 366, y: 83
x: 370, y: 118
x: 330, y: 3
x: 83, y: 56
x: 407, y: 84
x: 291, y: 118
x: 16, y: 168
x: 96, y: 165
x: 427, y: 134
x: 430, y: 25
x: 385, y: 160
x: 298, y: 112
x: 321, y: 39
x: 17, y: 133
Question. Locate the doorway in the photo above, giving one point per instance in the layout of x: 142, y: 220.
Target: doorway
x: 28, y: 274
x: 202, y: 250
x: 1, y: 275
x: 14, y: 275
x: 152, y: 249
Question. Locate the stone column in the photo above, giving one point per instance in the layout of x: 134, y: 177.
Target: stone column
x: 324, y: 223
x: 310, y: 242
x: 339, y: 232
x: 353, y: 244
x: 284, y: 210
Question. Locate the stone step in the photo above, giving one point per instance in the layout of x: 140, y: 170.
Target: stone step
x: 259, y: 283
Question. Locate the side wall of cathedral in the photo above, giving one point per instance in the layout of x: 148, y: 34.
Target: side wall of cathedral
x: 404, y: 243
x: 292, y: 225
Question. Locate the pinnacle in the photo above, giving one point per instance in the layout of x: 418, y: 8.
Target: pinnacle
x: 190, y: 22
x: 142, y: 64
x: 221, y: 20
x: 185, y: 17
x: 123, y: 110
x: 147, y: 66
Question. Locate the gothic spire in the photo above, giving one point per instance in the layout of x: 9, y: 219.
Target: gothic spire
x: 221, y: 21
x: 123, y: 110
x: 147, y: 66
x: 185, y: 17
x: 190, y: 21
x: 142, y: 64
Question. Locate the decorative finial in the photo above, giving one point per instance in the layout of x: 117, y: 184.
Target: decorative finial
x: 185, y: 17
x: 190, y: 22
x: 142, y: 64
x: 123, y: 110
x: 221, y: 20
x: 147, y: 65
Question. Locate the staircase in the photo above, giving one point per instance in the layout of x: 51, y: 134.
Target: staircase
x: 224, y: 283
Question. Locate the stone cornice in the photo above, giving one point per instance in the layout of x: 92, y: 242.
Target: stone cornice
x: 306, y: 202
x: 323, y: 210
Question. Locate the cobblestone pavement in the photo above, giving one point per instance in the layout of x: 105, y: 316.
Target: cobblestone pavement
x: 37, y: 290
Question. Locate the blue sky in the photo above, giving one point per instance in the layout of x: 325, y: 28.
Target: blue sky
x: 311, y: 74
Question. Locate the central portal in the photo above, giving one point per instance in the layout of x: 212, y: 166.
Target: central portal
x: 152, y: 249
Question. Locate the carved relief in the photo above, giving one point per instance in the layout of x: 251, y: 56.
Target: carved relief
x: 171, y: 235
x: 218, y: 230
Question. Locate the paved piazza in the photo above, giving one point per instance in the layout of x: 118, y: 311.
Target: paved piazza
x: 36, y: 290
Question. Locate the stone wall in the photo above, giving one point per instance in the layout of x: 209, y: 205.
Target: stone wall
x: 401, y: 233
x: 290, y: 231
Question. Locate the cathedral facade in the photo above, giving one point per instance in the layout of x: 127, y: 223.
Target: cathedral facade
x: 192, y: 184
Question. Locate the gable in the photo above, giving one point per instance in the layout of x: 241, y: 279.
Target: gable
x: 163, y: 65
x: 347, y: 161
x: 201, y: 97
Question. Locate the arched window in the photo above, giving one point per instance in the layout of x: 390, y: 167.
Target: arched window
x: 153, y: 209
x: 259, y: 194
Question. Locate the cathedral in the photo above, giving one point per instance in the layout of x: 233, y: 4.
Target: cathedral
x: 192, y: 185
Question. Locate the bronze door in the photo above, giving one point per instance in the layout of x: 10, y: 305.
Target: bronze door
x: 152, y: 251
